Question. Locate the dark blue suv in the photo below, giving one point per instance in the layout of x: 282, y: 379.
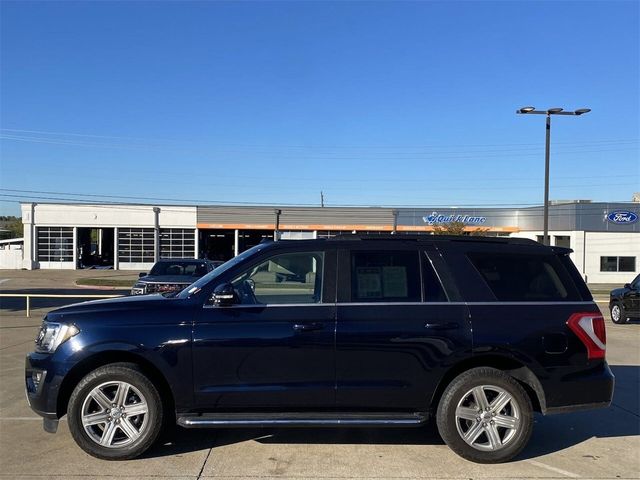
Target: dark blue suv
x: 352, y: 331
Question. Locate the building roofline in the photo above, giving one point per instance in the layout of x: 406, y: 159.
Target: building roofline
x: 11, y: 240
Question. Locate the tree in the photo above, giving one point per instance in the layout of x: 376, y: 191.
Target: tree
x: 16, y: 228
x: 13, y: 225
x: 457, y: 228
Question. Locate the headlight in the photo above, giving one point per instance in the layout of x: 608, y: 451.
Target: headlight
x: 51, y: 335
x: 139, y: 289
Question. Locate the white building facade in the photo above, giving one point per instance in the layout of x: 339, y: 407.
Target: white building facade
x: 130, y: 237
x: 605, y: 237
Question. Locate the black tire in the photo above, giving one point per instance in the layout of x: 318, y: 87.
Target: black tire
x: 621, y: 316
x: 452, y: 427
x: 141, y: 392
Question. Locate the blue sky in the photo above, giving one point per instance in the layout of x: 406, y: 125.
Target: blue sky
x: 271, y: 102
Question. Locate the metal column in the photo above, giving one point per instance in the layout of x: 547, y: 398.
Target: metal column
x: 115, y: 248
x: 75, y: 248
x: 156, y: 234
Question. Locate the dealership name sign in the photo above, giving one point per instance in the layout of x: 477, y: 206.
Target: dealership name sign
x: 622, y: 217
x: 439, y: 219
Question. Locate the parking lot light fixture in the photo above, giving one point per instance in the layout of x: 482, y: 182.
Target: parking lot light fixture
x: 548, y: 113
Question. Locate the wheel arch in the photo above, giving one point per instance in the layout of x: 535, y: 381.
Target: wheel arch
x: 100, y: 359
x: 514, y: 368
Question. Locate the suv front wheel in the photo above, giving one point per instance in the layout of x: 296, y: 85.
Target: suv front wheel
x: 618, y: 314
x: 485, y: 416
x: 115, y: 412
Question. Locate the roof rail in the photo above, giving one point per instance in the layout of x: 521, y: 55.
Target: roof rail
x: 434, y: 238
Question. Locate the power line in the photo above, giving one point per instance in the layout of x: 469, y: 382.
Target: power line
x: 456, y: 154
x: 326, y: 211
x: 191, y: 201
x: 73, y: 134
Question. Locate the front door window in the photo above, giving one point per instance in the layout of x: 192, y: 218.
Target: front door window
x: 290, y: 278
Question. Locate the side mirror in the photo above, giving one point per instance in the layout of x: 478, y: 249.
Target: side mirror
x: 142, y: 274
x: 224, y: 295
x: 627, y: 285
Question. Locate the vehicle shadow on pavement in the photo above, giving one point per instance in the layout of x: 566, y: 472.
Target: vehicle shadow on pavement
x: 551, y: 434
x: 184, y: 440
x: 622, y: 419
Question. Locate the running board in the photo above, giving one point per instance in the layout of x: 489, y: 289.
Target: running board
x: 212, y: 420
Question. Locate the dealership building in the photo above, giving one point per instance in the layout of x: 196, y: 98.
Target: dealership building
x: 605, y: 237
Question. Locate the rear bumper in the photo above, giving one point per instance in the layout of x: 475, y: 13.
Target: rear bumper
x: 585, y: 390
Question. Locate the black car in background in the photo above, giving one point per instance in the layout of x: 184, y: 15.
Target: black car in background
x: 172, y: 275
x: 624, y: 303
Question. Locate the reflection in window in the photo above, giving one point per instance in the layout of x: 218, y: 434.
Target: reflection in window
x: 617, y: 264
x: 562, y: 241
x: 524, y: 277
x: 385, y: 276
x: 283, y: 279
x: 179, y: 268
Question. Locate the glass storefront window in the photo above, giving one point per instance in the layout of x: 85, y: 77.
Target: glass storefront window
x: 177, y: 243
x: 136, y: 245
x: 55, y: 244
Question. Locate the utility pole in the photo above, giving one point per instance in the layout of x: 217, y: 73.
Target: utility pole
x: 321, y: 198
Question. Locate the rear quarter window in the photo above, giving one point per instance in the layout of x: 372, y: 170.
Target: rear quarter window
x: 516, y: 277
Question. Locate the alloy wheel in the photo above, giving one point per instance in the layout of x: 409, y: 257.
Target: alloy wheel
x: 615, y: 313
x: 487, y: 418
x: 114, y: 414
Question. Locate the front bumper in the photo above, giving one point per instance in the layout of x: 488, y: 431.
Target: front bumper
x: 585, y: 390
x: 42, y: 395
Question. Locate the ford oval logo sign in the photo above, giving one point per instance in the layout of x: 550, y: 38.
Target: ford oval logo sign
x: 622, y: 217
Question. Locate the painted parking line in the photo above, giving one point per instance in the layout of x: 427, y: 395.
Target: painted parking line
x: 19, y: 419
x: 553, y: 469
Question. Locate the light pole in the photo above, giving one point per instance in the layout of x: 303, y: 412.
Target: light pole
x: 548, y: 113
x: 276, y: 233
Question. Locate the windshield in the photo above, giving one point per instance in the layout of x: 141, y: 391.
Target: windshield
x: 179, y: 268
x: 197, y: 285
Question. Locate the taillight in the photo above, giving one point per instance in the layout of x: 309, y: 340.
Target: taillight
x: 589, y: 327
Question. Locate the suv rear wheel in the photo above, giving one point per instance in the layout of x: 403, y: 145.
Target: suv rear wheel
x: 485, y: 416
x: 115, y: 412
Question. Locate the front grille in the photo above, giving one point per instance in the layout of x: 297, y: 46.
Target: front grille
x: 164, y: 287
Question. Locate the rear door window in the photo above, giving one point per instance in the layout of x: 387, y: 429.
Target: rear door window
x: 385, y: 276
x: 525, y: 277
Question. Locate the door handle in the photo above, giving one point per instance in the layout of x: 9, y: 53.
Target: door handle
x: 308, y: 327
x: 442, y: 326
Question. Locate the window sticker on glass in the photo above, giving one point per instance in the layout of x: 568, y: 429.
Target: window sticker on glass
x: 394, y: 281
x: 369, y: 284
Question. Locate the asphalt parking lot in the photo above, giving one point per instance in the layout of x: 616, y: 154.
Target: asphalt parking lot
x: 597, y: 444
